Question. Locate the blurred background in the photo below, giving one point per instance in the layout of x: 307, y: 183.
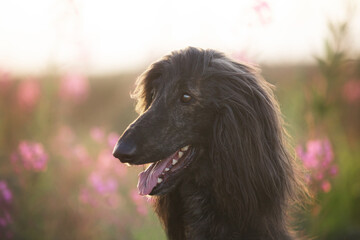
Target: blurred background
x: 67, y: 68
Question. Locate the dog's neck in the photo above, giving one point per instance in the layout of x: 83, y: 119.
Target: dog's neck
x: 200, y: 214
x: 191, y: 211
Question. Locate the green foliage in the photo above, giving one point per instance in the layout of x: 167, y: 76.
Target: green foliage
x: 333, y: 111
x: 65, y: 198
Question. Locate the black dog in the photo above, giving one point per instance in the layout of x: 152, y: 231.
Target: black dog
x: 213, y: 132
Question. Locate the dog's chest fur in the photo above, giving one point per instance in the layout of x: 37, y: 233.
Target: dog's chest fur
x: 193, y: 215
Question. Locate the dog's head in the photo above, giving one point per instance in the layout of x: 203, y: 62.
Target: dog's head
x: 199, y: 105
x: 177, y: 111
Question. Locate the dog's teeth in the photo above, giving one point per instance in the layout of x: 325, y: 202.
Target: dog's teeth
x: 159, y: 180
x: 184, y: 149
x: 174, y: 161
x: 180, y: 154
x: 167, y: 169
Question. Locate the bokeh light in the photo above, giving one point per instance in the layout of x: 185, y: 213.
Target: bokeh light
x: 67, y: 68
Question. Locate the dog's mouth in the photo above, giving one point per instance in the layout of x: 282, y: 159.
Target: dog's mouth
x: 159, y: 173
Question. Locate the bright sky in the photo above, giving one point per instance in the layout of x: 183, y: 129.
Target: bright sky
x: 98, y: 36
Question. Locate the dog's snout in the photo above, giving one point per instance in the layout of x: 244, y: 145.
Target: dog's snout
x: 124, y: 151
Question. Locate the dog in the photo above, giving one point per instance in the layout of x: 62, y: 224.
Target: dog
x: 213, y: 133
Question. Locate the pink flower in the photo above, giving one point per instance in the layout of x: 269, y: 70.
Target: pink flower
x: 318, y: 159
x: 5, y: 192
x: 326, y: 186
x: 319, y: 176
x: 5, y: 219
x: 328, y: 155
x: 103, y: 185
x: 3, y: 222
x: 351, y: 91
x: 74, y: 87
x: 28, y: 94
x: 113, y: 137
x: 319, y: 154
x: 334, y: 170
x: 101, y: 190
x: 31, y: 155
x: 97, y: 134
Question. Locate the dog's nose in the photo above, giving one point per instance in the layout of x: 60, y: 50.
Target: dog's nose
x: 124, y: 151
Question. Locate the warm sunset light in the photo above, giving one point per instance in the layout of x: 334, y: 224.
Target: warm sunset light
x: 102, y: 36
x: 249, y: 127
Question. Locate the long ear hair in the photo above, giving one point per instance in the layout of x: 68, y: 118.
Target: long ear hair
x: 143, y: 91
x: 249, y: 155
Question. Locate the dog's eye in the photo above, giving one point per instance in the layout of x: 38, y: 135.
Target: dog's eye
x: 152, y: 95
x: 185, y: 98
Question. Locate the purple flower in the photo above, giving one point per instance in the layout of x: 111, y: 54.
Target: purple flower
x: 101, y: 190
x: 334, y: 170
x: 5, y: 217
x: 5, y: 192
x: 31, y: 155
x: 318, y: 159
x: 103, y: 185
x: 319, y: 154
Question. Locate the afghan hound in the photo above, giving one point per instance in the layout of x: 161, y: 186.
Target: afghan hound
x: 213, y: 133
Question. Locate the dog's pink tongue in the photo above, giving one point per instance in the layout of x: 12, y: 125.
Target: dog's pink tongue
x: 148, y: 178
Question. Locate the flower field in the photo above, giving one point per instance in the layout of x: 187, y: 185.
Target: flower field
x: 58, y: 179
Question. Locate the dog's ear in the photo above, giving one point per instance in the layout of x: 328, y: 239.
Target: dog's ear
x: 143, y: 92
x: 249, y: 160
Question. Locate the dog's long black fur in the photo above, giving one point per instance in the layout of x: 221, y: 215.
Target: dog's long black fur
x: 242, y: 177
